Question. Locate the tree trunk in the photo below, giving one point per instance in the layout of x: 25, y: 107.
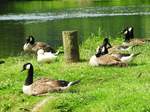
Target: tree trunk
x: 71, y: 47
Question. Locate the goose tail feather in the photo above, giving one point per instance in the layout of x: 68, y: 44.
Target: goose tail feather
x: 73, y: 83
x: 136, y: 54
x: 59, y: 52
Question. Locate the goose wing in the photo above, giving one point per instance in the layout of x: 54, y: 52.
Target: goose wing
x: 45, y: 85
x: 108, y: 60
x: 41, y: 44
x: 120, y: 55
x: 44, y: 46
x: 136, y: 42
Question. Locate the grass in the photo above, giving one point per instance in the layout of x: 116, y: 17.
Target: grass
x: 102, y: 89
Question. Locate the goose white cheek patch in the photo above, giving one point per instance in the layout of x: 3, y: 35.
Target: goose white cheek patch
x: 28, y: 67
x: 125, y: 32
x: 130, y: 28
x: 103, y: 49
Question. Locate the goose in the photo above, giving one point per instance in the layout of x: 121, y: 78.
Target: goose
x: 125, y: 58
x: 105, y: 59
x: 32, y: 46
x: 46, y: 57
x: 42, y: 85
x: 110, y: 48
x: 1, y: 62
x: 105, y: 43
x: 129, y: 37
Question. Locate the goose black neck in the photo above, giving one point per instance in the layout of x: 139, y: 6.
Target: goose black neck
x: 102, y: 51
x: 127, y: 37
x: 131, y: 34
x: 29, y: 79
x: 32, y: 41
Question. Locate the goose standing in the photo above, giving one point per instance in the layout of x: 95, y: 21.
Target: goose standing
x: 43, y: 85
x: 45, y: 57
x: 32, y: 46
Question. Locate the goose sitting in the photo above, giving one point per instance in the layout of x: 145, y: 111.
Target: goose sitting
x: 129, y: 37
x: 125, y: 58
x: 110, y: 48
x: 101, y: 58
x: 33, y: 47
x: 43, y: 85
x: 43, y: 57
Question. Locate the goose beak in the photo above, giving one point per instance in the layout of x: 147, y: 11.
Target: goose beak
x: 22, y: 70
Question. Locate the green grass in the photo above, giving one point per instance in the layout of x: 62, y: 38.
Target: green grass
x: 102, y: 89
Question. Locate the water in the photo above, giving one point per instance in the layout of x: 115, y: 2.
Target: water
x: 46, y: 20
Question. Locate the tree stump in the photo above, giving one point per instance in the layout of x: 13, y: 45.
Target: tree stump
x: 71, y: 47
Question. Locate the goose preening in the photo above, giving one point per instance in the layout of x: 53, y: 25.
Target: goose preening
x: 102, y: 48
x: 125, y: 58
x: 129, y: 37
x: 107, y: 47
x: 32, y: 46
x: 100, y: 58
x: 46, y: 57
x: 1, y: 62
x: 43, y: 85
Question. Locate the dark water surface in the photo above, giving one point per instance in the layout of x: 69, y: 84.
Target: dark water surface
x: 46, y: 20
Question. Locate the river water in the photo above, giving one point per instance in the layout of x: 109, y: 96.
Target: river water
x: 46, y: 21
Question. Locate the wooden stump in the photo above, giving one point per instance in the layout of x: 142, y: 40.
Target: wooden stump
x: 71, y: 47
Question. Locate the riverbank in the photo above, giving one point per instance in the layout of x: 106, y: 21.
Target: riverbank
x: 102, y: 89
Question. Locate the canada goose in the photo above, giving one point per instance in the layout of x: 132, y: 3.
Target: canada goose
x: 101, y: 48
x: 125, y: 58
x: 129, y: 37
x: 43, y: 85
x: 1, y: 62
x: 106, y: 46
x: 105, y: 59
x: 44, y: 57
x: 32, y: 46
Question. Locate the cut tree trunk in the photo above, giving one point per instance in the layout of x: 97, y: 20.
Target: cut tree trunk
x: 71, y: 47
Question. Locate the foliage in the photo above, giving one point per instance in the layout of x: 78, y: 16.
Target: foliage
x: 102, y: 89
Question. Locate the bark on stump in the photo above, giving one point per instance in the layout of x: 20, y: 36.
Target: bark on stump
x: 71, y: 47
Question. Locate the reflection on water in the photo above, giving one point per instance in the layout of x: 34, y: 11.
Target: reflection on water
x: 47, y: 21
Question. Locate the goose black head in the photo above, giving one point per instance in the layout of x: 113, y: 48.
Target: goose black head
x: 126, y: 34
x: 30, y: 40
x: 27, y: 66
x: 106, y: 42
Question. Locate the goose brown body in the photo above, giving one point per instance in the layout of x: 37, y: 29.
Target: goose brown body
x: 43, y: 85
x: 33, y: 47
x: 107, y: 60
x: 129, y: 37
